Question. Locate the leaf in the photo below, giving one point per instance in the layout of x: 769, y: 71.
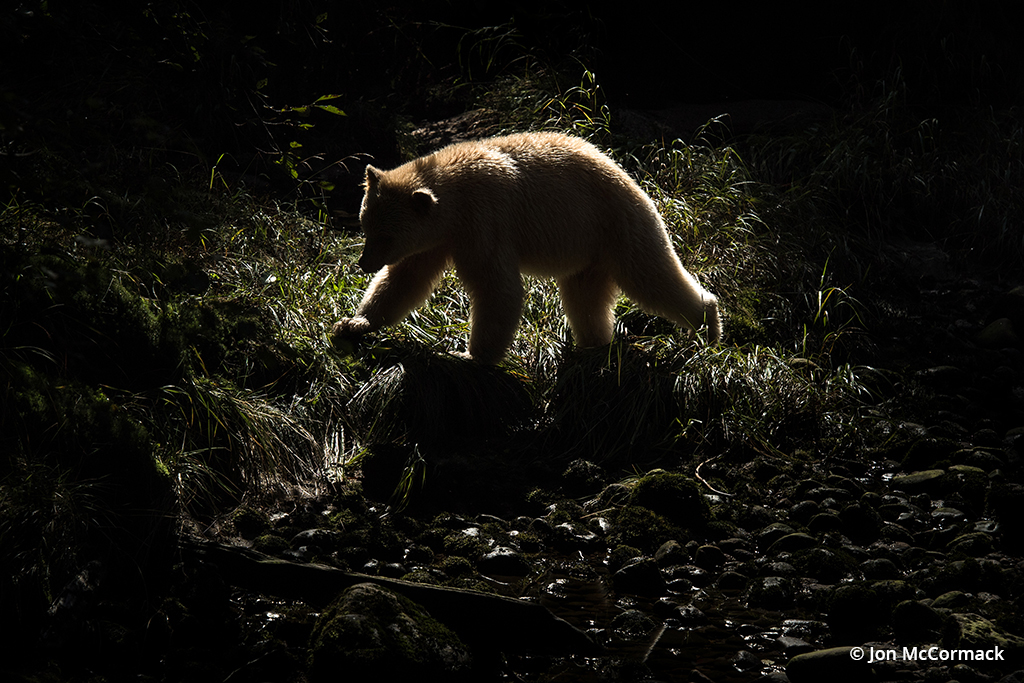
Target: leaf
x: 331, y: 109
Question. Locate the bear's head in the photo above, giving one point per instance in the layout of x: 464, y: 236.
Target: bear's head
x: 396, y: 217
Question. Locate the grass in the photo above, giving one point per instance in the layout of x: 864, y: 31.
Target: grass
x: 217, y: 312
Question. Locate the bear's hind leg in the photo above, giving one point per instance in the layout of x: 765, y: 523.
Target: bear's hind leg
x: 587, y: 299
x: 496, y: 305
x: 664, y: 288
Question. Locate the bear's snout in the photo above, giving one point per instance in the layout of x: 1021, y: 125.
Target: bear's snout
x: 368, y: 264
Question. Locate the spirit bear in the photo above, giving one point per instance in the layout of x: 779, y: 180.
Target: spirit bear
x: 542, y: 204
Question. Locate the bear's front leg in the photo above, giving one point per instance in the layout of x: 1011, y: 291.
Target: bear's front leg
x: 394, y: 291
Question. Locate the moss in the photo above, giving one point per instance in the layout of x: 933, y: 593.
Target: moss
x: 249, y: 522
x: 621, y: 556
x: 673, y: 496
x: 370, y: 633
x: 465, y: 544
x: 270, y: 544
x: 643, y: 528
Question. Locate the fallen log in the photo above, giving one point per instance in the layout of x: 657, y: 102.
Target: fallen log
x: 482, y: 620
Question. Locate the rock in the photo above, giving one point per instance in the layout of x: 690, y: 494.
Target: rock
x: 731, y: 581
x: 974, y: 544
x: 978, y: 633
x: 881, y: 568
x: 835, y: 665
x: 640, y: 577
x: 915, y: 622
x: 792, y: 543
x: 503, y: 561
x: 674, y: 496
x: 708, y: 557
x: 942, y: 377
x: 633, y: 624
x: 825, y: 522
x: 370, y: 633
x: 792, y: 647
x: 582, y: 476
x: 670, y: 553
x: 916, y: 482
x: 690, y: 616
x: 745, y: 660
x: 998, y: 334
x: 770, y: 592
x: 316, y: 540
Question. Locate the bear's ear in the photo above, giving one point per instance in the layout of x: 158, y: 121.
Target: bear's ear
x: 423, y: 199
x: 372, y: 177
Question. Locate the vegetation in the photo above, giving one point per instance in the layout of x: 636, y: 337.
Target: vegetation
x: 172, y: 254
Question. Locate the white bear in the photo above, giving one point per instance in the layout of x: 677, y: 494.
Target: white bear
x: 542, y: 204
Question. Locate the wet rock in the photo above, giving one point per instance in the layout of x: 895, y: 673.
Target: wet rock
x: 998, y: 334
x: 633, y: 624
x: 791, y: 647
x: 671, y: 552
x: 640, y: 577
x: 771, y: 533
x: 575, y: 536
x: 731, y: 581
x: 503, y: 561
x: 825, y: 522
x: 770, y: 592
x: 316, y: 540
x: 974, y: 544
x: 860, y: 522
x: 792, y: 543
x: 915, y: 482
x: 947, y: 516
x: 834, y: 665
x: 881, y: 568
x: 709, y: 557
x: 951, y: 600
x: 745, y: 660
x: 803, y: 511
x: 942, y: 377
x: 691, y: 617
x: 823, y: 564
x: 370, y: 633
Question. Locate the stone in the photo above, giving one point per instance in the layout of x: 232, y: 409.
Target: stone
x: 370, y: 633
x: 835, y: 665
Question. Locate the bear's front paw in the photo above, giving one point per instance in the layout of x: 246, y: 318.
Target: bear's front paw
x: 347, y: 328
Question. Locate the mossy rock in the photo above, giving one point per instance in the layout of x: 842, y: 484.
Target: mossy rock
x: 972, y: 631
x: 369, y: 633
x: 642, y: 528
x: 673, y: 496
x: 836, y: 665
x: 925, y: 481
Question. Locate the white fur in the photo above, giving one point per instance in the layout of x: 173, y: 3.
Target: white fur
x: 538, y: 203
